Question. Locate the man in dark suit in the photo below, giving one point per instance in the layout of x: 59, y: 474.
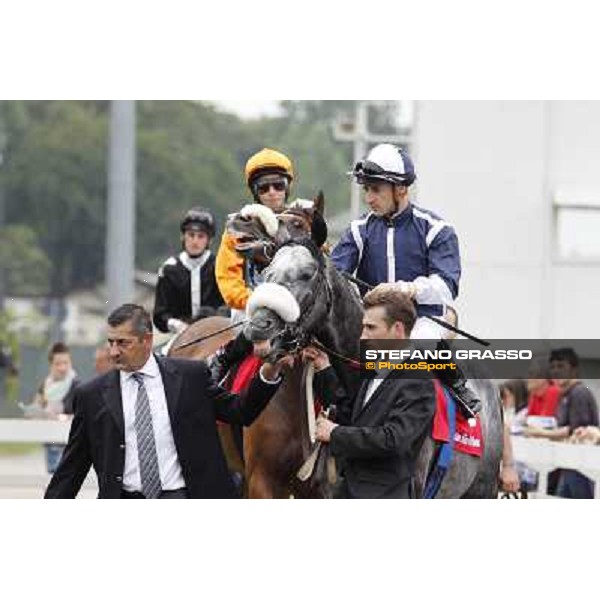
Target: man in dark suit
x: 148, y: 427
x: 390, y: 417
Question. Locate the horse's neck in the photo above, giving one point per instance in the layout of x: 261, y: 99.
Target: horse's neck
x: 341, y: 330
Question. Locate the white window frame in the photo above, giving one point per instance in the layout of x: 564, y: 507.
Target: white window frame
x: 576, y: 203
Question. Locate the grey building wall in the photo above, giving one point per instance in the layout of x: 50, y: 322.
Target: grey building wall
x: 495, y: 171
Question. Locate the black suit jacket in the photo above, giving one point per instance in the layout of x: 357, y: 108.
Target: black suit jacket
x: 379, y: 448
x: 194, y: 404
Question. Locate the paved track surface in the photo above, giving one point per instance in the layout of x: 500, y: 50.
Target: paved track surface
x: 25, y: 476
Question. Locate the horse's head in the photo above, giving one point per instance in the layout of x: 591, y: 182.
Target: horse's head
x: 293, y: 302
x: 255, y: 228
x: 303, y: 219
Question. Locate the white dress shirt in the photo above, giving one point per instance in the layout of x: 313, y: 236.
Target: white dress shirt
x: 168, y: 461
x: 372, y: 388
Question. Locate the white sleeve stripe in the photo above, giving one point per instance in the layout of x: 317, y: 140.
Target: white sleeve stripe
x: 436, y: 224
x: 357, y: 238
x: 434, y: 231
x: 354, y: 228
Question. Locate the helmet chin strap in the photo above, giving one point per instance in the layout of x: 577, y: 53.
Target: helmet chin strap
x: 391, y: 213
x: 396, y: 209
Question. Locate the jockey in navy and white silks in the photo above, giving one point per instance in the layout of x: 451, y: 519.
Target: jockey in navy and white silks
x: 403, y: 246
x: 414, y: 247
x: 410, y: 246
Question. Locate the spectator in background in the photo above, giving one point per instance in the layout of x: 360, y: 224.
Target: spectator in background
x: 6, y: 360
x: 103, y: 364
x: 514, y: 400
x: 544, y: 394
x: 55, y: 396
x: 586, y: 435
x: 577, y: 408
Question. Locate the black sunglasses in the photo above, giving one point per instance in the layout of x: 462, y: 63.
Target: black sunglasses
x: 279, y: 186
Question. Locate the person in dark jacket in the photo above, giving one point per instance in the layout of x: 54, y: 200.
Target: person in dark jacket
x: 187, y: 289
x: 390, y: 416
x: 148, y: 426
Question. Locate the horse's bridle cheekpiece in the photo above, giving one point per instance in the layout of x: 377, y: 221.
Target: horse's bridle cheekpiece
x: 293, y: 336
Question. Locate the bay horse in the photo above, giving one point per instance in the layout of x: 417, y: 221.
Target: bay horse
x: 277, y: 443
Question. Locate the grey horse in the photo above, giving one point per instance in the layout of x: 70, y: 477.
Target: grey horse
x: 331, y: 312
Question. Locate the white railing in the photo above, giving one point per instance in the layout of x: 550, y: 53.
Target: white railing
x: 544, y: 456
x: 34, y: 431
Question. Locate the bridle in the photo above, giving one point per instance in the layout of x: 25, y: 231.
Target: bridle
x: 295, y: 336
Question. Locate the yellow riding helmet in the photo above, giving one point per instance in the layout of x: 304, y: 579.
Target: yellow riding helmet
x: 268, y: 160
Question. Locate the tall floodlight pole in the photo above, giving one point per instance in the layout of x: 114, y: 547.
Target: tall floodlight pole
x: 2, y: 209
x: 360, y: 149
x: 120, y: 237
x: 357, y: 131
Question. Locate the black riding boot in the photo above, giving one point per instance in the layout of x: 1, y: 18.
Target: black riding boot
x: 456, y: 380
x: 233, y: 352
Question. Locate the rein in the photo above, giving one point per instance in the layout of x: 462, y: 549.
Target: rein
x: 349, y: 361
x: 208, y: 336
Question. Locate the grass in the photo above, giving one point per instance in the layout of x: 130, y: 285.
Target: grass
x: 17, y: 449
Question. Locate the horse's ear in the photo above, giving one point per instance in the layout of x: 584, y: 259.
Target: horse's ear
x: 319, y: 202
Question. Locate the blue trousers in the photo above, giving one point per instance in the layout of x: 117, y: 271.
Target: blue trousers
x: 53, y: 456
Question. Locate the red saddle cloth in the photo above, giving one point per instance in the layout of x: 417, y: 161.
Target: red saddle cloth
x: 467, y: 439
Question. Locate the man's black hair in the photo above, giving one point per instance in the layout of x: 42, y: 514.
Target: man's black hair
x: 138, y: 315
x: 567, y: 354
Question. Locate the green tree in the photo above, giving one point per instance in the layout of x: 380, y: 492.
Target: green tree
x: 305, y: 132
x: 56, y: 184
x: 26, y: 267
x: 188, y: 153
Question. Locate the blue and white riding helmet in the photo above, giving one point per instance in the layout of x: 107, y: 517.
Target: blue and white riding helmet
x: 386, y: 163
